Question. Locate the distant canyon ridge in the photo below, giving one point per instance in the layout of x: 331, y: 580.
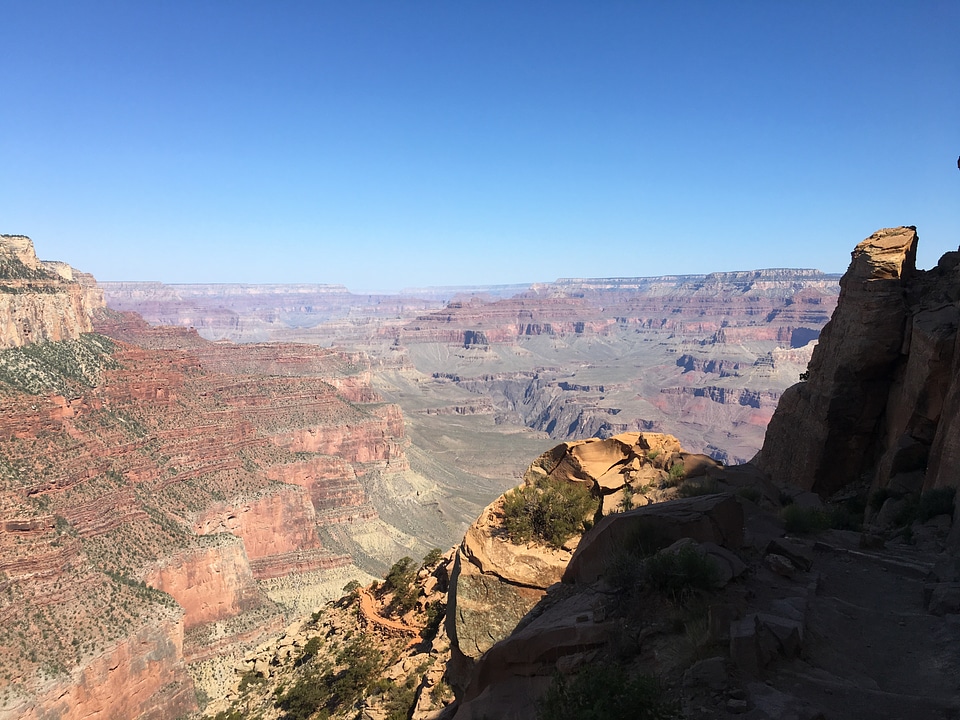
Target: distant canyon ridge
x: 704, y: 357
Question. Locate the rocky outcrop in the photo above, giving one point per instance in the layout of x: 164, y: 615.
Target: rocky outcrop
x: 880, y: 401
x: 496, y: 582
x: 41, y: 301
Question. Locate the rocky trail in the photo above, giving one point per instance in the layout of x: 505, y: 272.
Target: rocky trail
x: 871, y: 648
x: 368, y: 609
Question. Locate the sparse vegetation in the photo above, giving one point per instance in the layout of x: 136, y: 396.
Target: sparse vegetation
x: 693, y: 488
x: 807, y: 520
x: 399, y: 581
x: 675, y: 475
x: 324, y: 691
x: 551, y: 511
x: 57, y: 366
x: 606, y: 692
x: 750, y: 493
x: 431, y: 558
x: 682, y: 574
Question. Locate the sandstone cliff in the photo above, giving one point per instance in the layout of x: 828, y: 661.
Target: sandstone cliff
x: 882, y: 399
x: 41, y: 301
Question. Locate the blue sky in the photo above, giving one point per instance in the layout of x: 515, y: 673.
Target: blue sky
x: 392, y: 144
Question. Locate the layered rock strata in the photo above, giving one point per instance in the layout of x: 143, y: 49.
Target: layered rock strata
x: 141, y: 513
x: 41, y: 301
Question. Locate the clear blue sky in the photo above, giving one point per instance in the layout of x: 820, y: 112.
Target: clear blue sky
x: 391, y: 144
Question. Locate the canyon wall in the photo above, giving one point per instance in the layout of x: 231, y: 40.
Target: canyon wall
x: 142, y: 513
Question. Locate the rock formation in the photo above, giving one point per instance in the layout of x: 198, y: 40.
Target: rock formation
x: 837, y: 626
x: 41, y: 301
x: 161, y: 496
x: 496, y: 581
x: 881, y: 400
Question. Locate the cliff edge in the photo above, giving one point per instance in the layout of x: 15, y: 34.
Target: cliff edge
x: 42, y: 301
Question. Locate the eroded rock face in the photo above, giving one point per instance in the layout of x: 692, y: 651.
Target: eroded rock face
x: 496, y: 583
x: 143, y: 676
x: 881, y: 399
x: 41, y: 301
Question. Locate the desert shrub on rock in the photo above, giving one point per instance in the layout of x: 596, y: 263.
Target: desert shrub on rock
x: 550, y: 511
x: 400, y: 581
x: 606, y: 692
x: 681, y: 574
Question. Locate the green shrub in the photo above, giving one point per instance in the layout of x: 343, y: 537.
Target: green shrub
x: 250, y: 678
x: 682, y: 574
x: 807, y: 520
x: 303, y: 699
x: 675, y: 474
x: 693, y: 488
x: 432, y: 558
x: 551, y: 511
x: 646, y: 539
x: 750, y: 493
x: 938, y: 501
x: 605, y: 692
x: 317, y: 695
x: 309, y: 651
x: 399, y: 580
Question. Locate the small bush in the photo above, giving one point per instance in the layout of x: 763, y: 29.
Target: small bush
x: 938, y: 501
x: 647, y: 539
x: 250, y: 678
x: 551, y: 511
x: 309, y: 651
x: 624, y: 571
x: 682, y: 574
x: 606, y: 692
x: 808, y: 520
x: 432, y: 558
x: 400, y: 581
x: 750, y: 493
x: 675, y: 475
x: 693, y: 488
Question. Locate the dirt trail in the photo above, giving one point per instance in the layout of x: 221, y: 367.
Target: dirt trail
x: 369, y: 609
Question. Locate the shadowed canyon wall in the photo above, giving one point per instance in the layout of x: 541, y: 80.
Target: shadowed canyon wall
x: 881, y: 400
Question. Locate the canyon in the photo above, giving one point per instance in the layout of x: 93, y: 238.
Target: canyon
x: 167, y: 501
x: 702, y: 356
x: 804, y: 591
x: 194, y: 486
